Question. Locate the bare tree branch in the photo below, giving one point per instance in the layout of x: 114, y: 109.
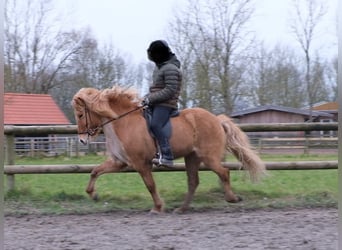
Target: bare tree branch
x: 306, y: 17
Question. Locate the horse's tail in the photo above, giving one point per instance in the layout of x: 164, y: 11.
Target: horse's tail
x: 237, y: 143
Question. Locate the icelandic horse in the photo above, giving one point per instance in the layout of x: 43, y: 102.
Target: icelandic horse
x: 197, y: 135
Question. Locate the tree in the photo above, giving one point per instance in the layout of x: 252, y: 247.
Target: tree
x: 93, y: 66
x: 35, y: 48
x: 42, y: 57
x: 333, y: 78
x: 277, y: 78
x: 319, y: 81
x: 304, y: 27
x: 215, y: 40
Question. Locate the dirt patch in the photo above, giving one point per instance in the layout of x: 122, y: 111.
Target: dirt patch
x: 219, y: 229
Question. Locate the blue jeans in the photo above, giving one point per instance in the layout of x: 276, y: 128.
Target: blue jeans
x: 162, y: 133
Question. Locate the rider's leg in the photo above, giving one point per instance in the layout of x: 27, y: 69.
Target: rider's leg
x: 160, y: 117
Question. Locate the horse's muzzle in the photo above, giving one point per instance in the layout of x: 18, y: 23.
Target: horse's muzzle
x: 84, y: 141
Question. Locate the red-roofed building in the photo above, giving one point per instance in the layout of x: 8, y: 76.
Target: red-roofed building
x: 325, y: 106
x: 32, y: 109
x: 328, y: 107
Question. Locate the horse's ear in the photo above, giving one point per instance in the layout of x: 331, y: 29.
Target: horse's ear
x: 78, y: 101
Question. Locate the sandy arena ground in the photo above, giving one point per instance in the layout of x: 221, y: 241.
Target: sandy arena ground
x: 297, y: 229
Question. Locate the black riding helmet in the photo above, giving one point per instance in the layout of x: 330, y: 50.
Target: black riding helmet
x: 159, y: 51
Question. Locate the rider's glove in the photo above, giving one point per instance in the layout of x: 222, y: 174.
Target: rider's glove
x: 145, y: 102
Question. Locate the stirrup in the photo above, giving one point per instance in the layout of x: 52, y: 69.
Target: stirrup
x: 160, y: 162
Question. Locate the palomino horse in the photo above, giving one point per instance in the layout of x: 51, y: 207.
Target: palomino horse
x: 197, y: 135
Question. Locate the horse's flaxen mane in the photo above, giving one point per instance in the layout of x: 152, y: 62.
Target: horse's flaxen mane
x: 99, y: 101
x: 123, y: 96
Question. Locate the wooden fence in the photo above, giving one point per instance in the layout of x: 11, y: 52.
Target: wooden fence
x: 303, y: 144
x: 11, y: 169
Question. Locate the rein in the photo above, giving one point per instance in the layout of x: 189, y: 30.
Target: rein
x: 92, y: 131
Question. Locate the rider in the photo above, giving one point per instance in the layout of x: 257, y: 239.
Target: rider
x: 162, y: 98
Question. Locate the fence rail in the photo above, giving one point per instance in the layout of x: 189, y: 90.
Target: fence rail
x: 315, y: 126
x: 69, y: 146
x: 69, y: 169
x: 255, y: 127
x: 305, y: 144
x: 56, y: 145
x: 11, y: 131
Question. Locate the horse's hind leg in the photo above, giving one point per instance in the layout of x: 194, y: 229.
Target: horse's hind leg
x: 109, y: 166
x: 224, y: 175
x: 192, y: 163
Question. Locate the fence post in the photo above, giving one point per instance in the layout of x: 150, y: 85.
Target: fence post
x: 69, y: 147
x: 259, y: 145
x: 306, y: 145
x: 10, y: 152
x: 77, y: 147
x: 32, y: 149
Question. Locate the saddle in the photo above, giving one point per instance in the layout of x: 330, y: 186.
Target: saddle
x: 167, y: 129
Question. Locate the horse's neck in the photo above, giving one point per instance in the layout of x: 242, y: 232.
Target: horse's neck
x: 124, y: 125
x: 114, y: 144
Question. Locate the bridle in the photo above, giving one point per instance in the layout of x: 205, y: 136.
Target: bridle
x: 92, y: 131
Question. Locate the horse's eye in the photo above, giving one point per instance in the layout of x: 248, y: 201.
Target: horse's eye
x: 80, y: 116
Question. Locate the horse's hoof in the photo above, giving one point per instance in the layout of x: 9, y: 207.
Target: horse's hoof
x: 154, y: 213
x: 179, y: 211
x: 236, y: 200
x: 95, y: 197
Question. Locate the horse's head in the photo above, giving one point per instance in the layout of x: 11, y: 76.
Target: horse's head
x: 88, y: 122
x: 93, y: 107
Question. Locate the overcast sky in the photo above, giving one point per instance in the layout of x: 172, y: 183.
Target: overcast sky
x: 130, y: 25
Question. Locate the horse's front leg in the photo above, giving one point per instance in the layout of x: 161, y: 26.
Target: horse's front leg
x: 146, y: 174
x: 109, y: 166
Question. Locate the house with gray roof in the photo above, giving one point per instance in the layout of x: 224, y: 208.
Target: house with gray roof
x: 279, y: 114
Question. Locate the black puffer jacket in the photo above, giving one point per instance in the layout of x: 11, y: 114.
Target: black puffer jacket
x: 167, y: 83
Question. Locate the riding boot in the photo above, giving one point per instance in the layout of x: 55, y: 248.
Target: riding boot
x: 164, y: 157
